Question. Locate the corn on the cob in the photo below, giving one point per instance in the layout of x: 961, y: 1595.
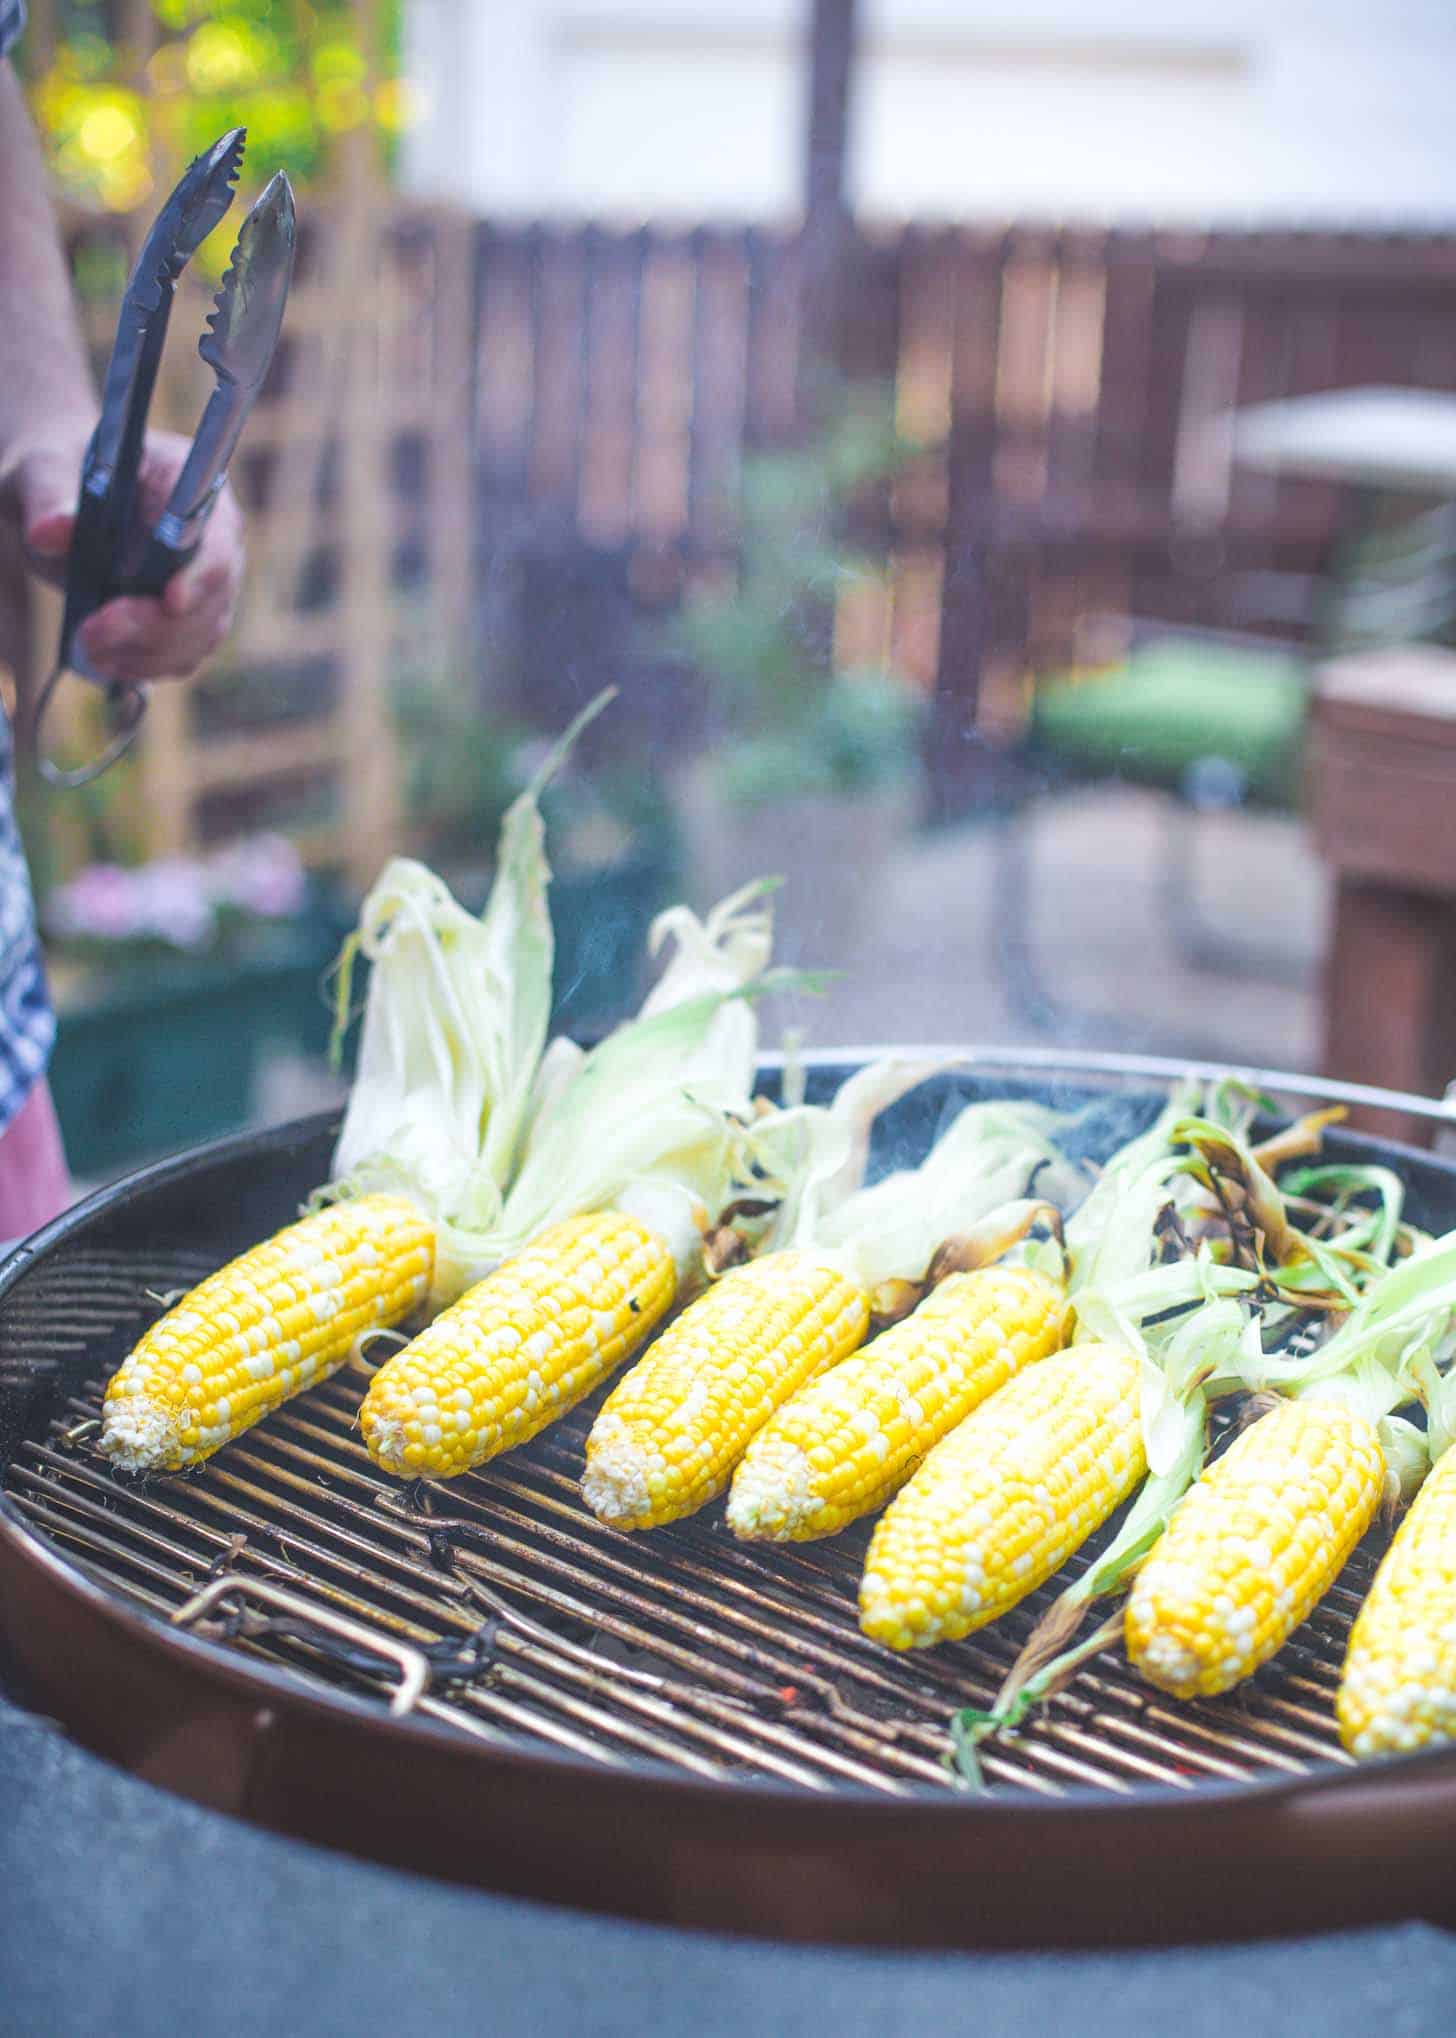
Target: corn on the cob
x: 843, y: 1444
x: 1253, y: 1546
x: 271, y: 1322
x: 671, y: 1432
x: 520, y: 1347
x: 1398, y: 1690
x: 1006, y: 1498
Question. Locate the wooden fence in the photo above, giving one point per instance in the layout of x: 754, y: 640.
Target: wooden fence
x: 1067, y: 383
x: 450, y: 388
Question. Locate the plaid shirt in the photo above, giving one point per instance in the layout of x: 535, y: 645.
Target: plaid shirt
x: 27, y: 1028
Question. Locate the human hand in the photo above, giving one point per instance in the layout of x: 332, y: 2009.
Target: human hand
x: 135, y: 637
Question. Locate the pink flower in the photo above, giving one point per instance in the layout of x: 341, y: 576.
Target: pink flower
x: 264, y: 876
x: 177, y: 900
x: 174, y: 905
x: 99, y: 904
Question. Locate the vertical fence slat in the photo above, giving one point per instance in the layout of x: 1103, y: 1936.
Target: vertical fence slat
x: 920, y: 498
x: 1126, y: 351
x: 561, y: 312
x: 772, y: 401
x: 720, y: 364
x: 1076, y: 368
x: 451, y: 473
x: 1023, y: 367
x: 1266, y: 368
x: 505, y: 357
x: 665, y: 393
x: 971, y: 456
x: 610, y: 443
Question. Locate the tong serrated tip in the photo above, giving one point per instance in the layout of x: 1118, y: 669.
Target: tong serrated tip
x: 242, y: 325
x: 226, y: 155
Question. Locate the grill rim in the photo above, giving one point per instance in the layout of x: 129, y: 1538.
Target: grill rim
x: 269, y: 1684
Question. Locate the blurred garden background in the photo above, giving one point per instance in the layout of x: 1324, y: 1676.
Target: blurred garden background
x: 853, y: 388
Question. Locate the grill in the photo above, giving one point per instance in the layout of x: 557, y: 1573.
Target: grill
x: 481, y: 1680
x: 684, y: 1648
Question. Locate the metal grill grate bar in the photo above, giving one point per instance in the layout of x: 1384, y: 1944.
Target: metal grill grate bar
x: 684, y: 1647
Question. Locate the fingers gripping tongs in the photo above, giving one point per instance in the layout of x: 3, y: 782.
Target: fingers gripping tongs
x: 110, y: 553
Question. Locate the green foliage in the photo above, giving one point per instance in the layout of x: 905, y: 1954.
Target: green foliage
x: 461, y: 770
x: 793, y: 724
x: 291, y: 71
x: 463, y: 767
x: 607, y: 817
x: 857, y: 730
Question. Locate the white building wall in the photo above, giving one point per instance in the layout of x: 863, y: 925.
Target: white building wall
x: 1227, y: 111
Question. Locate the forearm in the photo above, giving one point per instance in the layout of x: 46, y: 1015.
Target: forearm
x: 45, y: 380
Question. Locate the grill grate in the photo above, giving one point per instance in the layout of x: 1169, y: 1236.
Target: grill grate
x: 528, y: 1622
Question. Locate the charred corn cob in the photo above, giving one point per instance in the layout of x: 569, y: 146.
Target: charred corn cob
x: 671, y: 1432
x: 842, y: 1445
x: 1398, y: 1690
x: 1253, y: 1546
x: 279, y: 1318
x: 1003, y: 1500
x: 519, y: 1348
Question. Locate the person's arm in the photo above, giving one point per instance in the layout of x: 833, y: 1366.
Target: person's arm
x: 47, y: 412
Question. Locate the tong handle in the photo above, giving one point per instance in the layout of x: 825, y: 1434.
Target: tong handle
x: 125, y: 704
x: 160, y: 559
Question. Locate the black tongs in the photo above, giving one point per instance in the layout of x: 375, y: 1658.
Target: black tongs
x: 110, y: 554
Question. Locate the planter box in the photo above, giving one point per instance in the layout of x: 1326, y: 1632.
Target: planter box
x: 163, y: 1055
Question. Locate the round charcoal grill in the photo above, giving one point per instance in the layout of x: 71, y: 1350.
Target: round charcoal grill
x: 481, y: 1682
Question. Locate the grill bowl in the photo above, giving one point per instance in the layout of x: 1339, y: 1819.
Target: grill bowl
x: 671, y: 1727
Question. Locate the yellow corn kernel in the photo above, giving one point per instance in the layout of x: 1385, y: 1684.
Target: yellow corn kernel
x: 1006, y: 1498
x: 266, y: 1325
x: 671, y: 1432
x: 843, y: 1444
x: 519, y: 1348
x: 1252, y: 1546
x: 1398, y: 1690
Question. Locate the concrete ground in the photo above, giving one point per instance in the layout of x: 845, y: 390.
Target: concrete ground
x: 1089, y: 952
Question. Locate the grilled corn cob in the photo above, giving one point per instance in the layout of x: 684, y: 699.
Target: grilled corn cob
x: 279, y: 1318
x: 1253, y: 1546
x: 842, y: 1445
x: 519, y: 1348
x: 671, y: 1432
x: 1398, y: 1690
x: 1003, y: 1500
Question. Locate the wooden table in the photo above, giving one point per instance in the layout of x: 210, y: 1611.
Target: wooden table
x: 1386, y: 441
x: 1381, y: 763
x: 1381, y: 791
x: 1391, y: 450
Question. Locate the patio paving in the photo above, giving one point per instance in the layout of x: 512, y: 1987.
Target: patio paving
x: 1098, y: 930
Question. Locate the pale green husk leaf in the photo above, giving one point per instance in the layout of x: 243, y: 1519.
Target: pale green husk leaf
x: 987, y: 1157
x: 454, y: 1023
x: 660, y: 1107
